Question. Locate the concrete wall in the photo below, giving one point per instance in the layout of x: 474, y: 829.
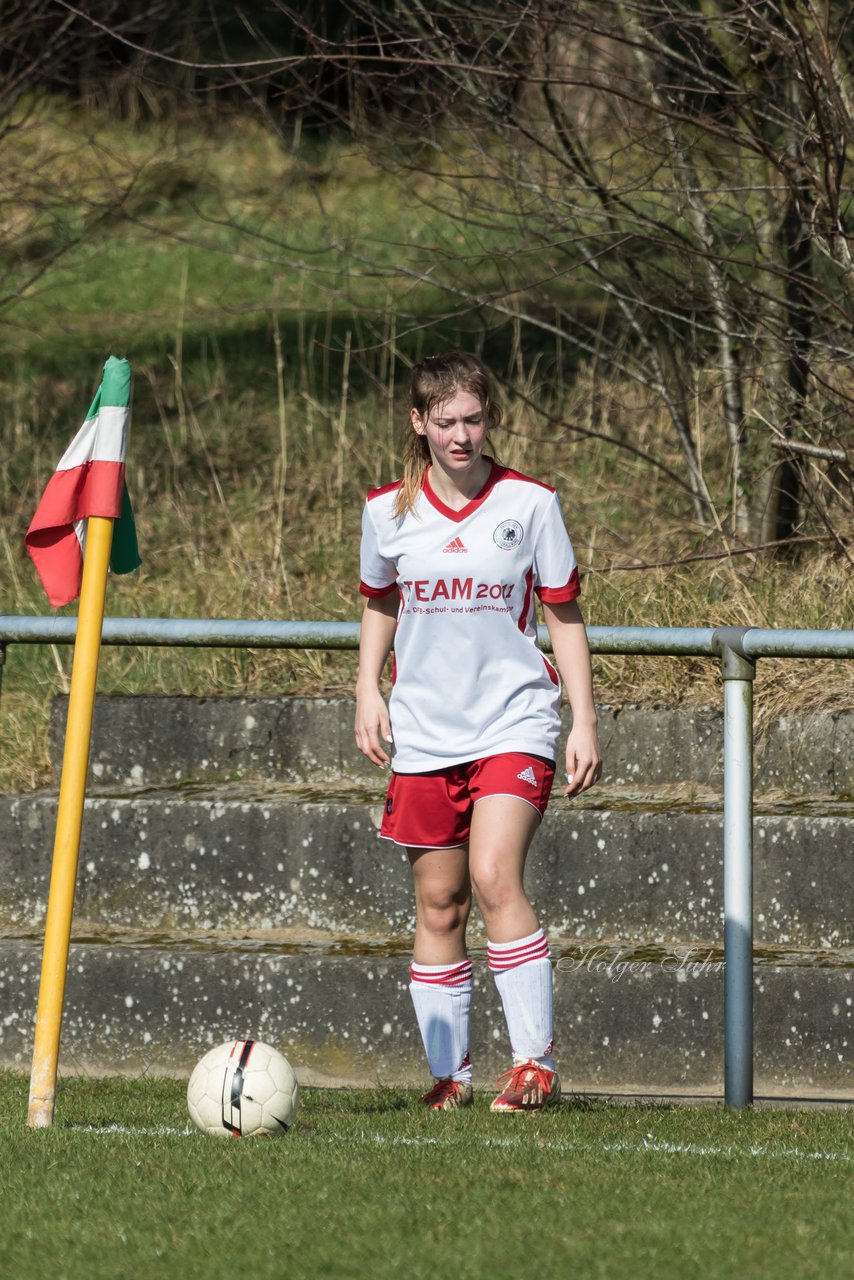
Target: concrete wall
x: 232, y: 883
x: 636, y: 1026
x: 235, y: 860
x: 171, y: 740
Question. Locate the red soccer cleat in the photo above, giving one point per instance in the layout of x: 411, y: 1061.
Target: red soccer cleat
x: 530, y: 1087
x: 448, y: 1095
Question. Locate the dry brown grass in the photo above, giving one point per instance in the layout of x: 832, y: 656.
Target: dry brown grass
x: 248, y: 505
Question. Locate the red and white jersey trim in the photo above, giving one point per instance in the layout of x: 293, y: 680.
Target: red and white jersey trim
x: 561, y: 595
x: 376, y: 593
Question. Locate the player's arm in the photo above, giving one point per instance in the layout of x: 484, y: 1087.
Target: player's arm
x: 572, y: 656
x: 375, y: 642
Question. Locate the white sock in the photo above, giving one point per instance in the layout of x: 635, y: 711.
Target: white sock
x: 441, y: 994
x: 523, y: 976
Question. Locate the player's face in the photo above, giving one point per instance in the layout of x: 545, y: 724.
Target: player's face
x: 455, y: 432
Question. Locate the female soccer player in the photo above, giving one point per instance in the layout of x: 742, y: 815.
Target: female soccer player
x: 453, y: 558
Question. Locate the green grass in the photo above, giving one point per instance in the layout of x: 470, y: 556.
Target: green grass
x: 112, y: 233
x: 367, y: 1185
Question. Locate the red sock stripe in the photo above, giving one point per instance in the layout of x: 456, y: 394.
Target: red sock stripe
x: 510, y: 957
x: 454, y: 976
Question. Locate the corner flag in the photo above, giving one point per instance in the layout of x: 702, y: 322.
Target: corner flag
x: 89, y: 481
x: 71, y: 542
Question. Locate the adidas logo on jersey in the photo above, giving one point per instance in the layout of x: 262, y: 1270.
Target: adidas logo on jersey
x: 528, y: 775
x: 456, y: 544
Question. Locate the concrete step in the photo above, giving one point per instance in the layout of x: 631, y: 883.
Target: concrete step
x: 157, y: 741
x: 627, y: 1021
x: 643, y: 869
x: 232, y: 883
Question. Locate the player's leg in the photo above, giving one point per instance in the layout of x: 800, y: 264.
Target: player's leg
x: 503, y: 826
x: 441, y: 972
x: 502, y: 829
x: 440, y: 878
x: 430, y: 814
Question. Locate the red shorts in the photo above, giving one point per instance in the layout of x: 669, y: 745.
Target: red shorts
x: 433, y: 810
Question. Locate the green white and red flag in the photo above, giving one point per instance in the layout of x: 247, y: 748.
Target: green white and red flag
x: 89, y: 481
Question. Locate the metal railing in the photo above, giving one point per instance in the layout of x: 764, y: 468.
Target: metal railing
x: 736, y: 648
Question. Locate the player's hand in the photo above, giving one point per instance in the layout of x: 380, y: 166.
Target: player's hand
x: 373, y: 726
x: 583, y: 760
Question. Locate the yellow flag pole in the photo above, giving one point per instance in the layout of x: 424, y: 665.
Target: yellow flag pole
x: 69, y: 821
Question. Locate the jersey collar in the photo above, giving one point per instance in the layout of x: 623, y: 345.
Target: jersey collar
x: 433, y: 498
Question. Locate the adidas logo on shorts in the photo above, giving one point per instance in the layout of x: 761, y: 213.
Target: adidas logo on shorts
x: 528, y: 775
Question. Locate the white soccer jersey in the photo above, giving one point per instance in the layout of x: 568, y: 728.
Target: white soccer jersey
x: 469, y: 680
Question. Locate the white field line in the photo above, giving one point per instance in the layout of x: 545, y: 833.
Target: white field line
x: 648, y: 1144
x: 689, y: 1149
x: 140, y: 1131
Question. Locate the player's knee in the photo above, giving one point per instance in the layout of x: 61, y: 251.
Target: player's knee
x: 442, y: 915
x: 494, y: 890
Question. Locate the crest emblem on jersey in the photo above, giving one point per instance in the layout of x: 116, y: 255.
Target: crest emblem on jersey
x: 508, y: 535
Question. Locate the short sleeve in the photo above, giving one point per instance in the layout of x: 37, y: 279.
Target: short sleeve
x: 555, y: 566
x: 378, y: 574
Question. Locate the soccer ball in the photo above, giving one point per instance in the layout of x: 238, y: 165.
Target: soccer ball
x: 242, y: 1089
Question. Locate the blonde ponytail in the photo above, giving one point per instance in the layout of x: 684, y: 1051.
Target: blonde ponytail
x: 416, y: 460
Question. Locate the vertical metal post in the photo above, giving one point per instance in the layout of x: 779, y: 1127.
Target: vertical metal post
x: 738, y: 674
